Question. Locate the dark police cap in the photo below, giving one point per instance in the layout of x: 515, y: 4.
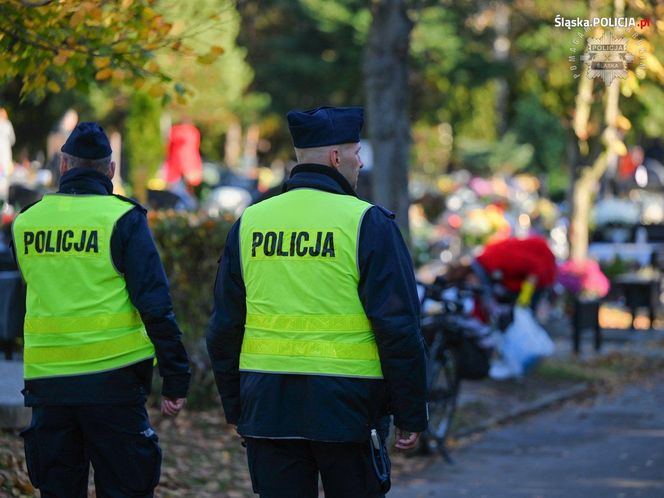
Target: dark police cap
x: 325, y: 126
x: 87, y: 141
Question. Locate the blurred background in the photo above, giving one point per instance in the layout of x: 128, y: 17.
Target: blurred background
x: 484, y: 121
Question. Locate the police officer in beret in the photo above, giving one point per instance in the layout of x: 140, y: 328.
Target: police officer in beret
x: 314, y: 338
x: 98, y: 313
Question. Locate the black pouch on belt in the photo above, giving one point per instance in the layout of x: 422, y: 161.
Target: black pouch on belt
x: 380, y: 461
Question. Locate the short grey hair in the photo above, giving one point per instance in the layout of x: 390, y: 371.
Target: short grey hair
x: 102, y: 165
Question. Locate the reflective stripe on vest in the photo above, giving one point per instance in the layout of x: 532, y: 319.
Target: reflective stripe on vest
x: 79, y: 318
x: 299, y: 264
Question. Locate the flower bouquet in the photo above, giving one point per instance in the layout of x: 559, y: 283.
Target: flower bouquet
x: 583, y: 279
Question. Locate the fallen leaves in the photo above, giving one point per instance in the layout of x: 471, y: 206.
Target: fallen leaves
x: 202, y: 457
x: 14, y: 479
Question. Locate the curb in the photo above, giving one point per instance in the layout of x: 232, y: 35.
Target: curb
x: 575, y: 391
x: 13, y: 414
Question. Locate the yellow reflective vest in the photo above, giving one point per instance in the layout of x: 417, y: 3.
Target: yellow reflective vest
x: 300, y: 271
x: 79, y: 318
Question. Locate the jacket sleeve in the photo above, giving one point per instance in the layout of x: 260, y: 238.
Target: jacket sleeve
x: 389, y: 296
x: 135, y: 255
x: 226, y: 328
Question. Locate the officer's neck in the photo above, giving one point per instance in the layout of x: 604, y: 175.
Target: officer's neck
x: 304, y: 168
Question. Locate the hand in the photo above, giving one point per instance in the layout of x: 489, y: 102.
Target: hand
x: 243, y: 442
x: 406, y: 440
x: 171, y: 407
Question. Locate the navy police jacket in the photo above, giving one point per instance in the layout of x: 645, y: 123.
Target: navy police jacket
x: 328, y: 408
x: 135, y: 256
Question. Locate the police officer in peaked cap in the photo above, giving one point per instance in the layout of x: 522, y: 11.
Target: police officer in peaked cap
x: 97, y: 313
x: 314, y: 338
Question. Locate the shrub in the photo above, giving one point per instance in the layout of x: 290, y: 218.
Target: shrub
x: 145, y: 150
x: 190, y: 246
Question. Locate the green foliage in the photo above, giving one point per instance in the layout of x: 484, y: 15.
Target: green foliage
x: 480, y: 119
x: 331, y: 16
x: 304, y: 53
x: 218, y: 91
x: 190, y: 246
x: 506, y: 155
x: 433, y: 149
x: 33, y: 119
x: 283, y: 54
x: 556, y: 183
x: 142, y: 141
x: 436, y: 45
x: 542, y: 51
x: 535, y: 125
x: 615, y: 267
x: 452, y: 72
x: 66, y: 44
x: 651, y: 97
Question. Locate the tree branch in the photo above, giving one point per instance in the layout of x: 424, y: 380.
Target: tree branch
x: 35, y: 3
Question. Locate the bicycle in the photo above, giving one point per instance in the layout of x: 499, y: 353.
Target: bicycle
x: 459, y: 347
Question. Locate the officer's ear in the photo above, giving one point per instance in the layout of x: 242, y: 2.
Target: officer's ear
x: 334, y: 157
x: 111, y: 170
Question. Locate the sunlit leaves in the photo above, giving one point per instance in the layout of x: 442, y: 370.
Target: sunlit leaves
x: 102, y: 62
x: 68, y: 43
x: 217, y: 51
x: 104, y: 74
x: 53, y: 87
x: 214, y: 94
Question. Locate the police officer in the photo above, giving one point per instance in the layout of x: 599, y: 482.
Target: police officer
x: 315, y: 336
x: 98, y: 311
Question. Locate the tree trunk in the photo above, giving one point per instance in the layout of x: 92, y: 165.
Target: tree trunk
x: 233, y: 146
x: 590, y: 176
x: 250, y: 156
x: 386, y: 83
x: 115, y: 138
x: 501, y: 54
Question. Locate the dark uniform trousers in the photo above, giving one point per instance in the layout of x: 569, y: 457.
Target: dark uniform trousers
x: 118, y: 440
x: 289, y: 468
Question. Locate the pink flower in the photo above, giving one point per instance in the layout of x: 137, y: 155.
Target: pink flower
x: 584, y: 277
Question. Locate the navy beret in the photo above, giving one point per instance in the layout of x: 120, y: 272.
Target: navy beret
x: 325, y: 126
x: 87, y: 141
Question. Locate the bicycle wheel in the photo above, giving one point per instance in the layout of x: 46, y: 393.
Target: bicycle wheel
x: 443, y: 389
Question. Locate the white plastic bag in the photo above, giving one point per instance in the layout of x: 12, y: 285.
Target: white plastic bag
x: 524, y: 343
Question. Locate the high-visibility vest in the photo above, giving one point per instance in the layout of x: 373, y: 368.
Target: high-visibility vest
x: 300, y: 271
x: 79, y: 318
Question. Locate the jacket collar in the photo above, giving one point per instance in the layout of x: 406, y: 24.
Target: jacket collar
x: 320, y: 177
x: 85, y: 181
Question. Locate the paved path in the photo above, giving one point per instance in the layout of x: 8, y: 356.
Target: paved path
x: 610, y: 447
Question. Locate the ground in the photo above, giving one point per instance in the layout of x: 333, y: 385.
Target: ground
x: 203, y: 458
x: 608, y: 446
